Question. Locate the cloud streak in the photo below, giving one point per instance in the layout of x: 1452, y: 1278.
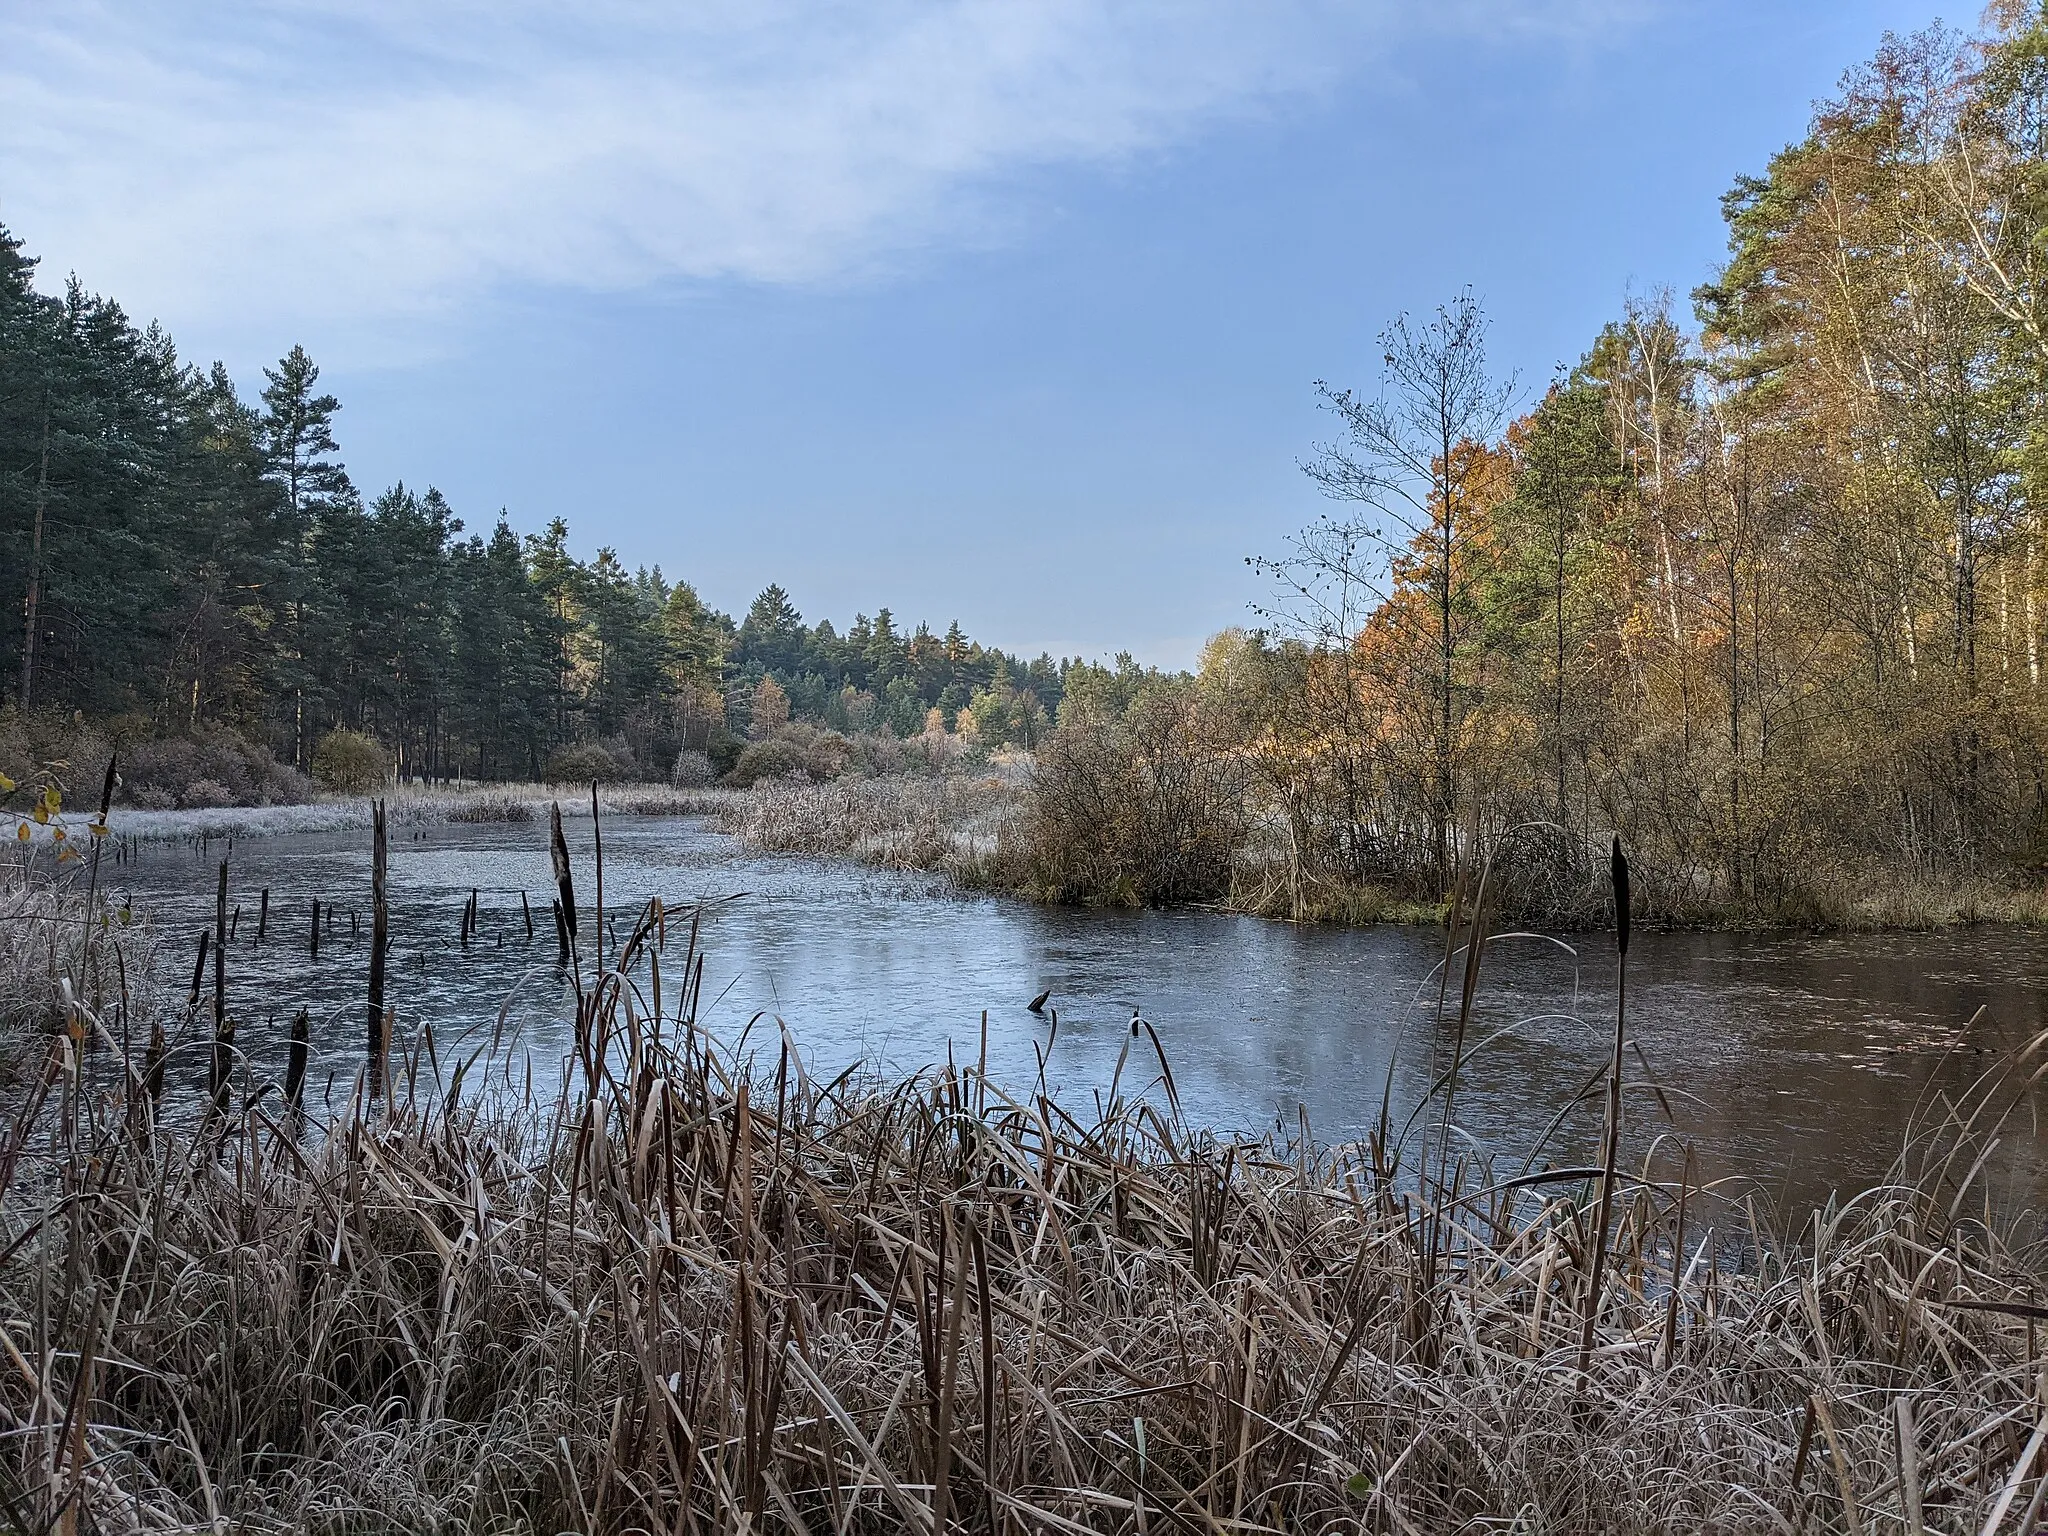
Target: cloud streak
x: 382, y: 165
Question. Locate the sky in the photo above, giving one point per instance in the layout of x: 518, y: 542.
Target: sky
x: 1010, y: 313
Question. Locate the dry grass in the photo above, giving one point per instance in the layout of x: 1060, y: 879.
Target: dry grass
x: 1876, y: 903
x: 1865, y: 900
x: 687, y: 1296
x: 52, y: 942
x: 480, y: 803
x: 416, y: 805
x: 488, y: 807
x: 1272, y: 889
x: 661, y: 800
x: 952, y: 823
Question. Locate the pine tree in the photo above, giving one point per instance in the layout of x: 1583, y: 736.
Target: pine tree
x: 297, y: 433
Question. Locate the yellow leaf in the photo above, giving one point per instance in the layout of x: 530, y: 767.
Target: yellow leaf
x: 99, y: 829
x: 41, y: 814
x: 21, y: 831
x: 58, y: 834
x: 52, y: 797
x: 6, y: 785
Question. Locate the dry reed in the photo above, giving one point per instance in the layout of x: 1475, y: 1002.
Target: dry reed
x: 51, y: 939
x: 953, y: 823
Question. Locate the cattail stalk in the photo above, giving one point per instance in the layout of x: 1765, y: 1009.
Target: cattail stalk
x: 379, y: 932
x: 1618, y: 871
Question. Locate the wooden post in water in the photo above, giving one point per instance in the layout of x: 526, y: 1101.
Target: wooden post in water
x: 149, y: 1098
x: 222, y: 1068
x: 199, y: 970
x: 295, y: 1069
x: 220, y: 935
x: 153, y: 1068
x: 526, y: 912
x: 597, y: 844
x: 1611, y: 1152
x: 379, y: 934
x: 565, y: 882
x: 262, y: 914
x: 314, y: 949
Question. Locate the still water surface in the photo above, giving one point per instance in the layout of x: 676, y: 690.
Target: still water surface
x: 1795, y: 1061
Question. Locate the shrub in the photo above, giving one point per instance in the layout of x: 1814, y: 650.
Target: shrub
x: 1145, y: 809
x: 805, y: 750
x: 205, y: 795
x: 723, y: 748
x: 772, y: 759
x: 826, y: 753
x: 588, y: 760
x: 159, y: 773
x: 350, y: 762
x: 693, y: 770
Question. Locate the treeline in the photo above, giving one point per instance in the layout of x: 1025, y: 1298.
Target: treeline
x: 1765, y: 597
x: 187, y: 561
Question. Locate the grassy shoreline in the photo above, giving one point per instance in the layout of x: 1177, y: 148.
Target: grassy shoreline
x: 970, y: 828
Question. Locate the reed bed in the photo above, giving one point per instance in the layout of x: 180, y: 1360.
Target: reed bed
x: 1884, y: 901
x: 957, y: 824
x: 488, y: 807
x: 420, y: 806
x: 661, y: 800
x: 693, y: 1291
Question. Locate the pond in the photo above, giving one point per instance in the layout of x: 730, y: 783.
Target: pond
x: 1794, y: 1063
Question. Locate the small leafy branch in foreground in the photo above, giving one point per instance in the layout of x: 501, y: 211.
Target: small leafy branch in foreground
x: 38, y: 801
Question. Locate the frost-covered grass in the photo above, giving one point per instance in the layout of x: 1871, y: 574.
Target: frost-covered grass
x: 957, y: 824
x: 418, y: 805
x: 53, y: 944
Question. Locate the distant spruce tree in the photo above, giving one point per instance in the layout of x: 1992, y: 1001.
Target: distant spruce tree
x: 297, y: 433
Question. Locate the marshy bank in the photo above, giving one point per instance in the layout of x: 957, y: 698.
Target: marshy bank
x: 1150, y: 791
x: 694, y: 1291
x: 1111, y: 842
x: 987, y: 828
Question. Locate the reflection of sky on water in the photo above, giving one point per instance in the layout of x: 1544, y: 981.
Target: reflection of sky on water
x: 1787, y: 1052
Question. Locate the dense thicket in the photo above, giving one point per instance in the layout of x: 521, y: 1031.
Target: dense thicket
x: 1766, y: 599
x: 192, y: 561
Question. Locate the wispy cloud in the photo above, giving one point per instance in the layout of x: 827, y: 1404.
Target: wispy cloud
x: 380, y: 164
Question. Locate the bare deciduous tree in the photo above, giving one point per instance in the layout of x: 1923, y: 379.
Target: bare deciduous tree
x: 1405, y: 463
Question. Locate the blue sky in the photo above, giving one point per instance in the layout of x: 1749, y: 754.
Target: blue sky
x: 1009, y: 313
